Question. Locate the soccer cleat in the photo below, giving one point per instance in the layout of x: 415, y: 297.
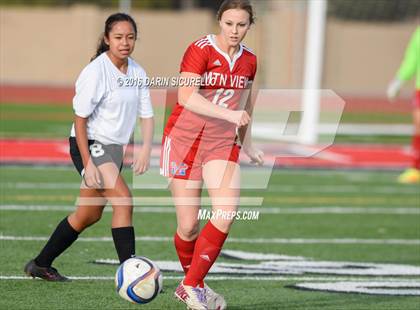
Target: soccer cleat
x: 193, y: 297
x: 214, y: 301
x: 409, y: 176
x: 46, y: 273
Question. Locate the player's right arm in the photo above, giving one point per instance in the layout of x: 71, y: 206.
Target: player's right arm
x: 193, y: 66
x: 90, y: 173
x: 89, y: 92
x: 192, y: 100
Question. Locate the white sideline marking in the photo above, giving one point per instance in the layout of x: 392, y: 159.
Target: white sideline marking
x: 303, y: 150
x: 281, y: 188
x: 293, y: 268
x: 85, y: 239
x: 402, y: 288
x: 369, y: 129
x: 265, y: 210
x: 270, y: 130
x: 223, y: 278
x: 315, y: 171
x: 39, y: 185
x: 338, y: 210
x: 343, y: 189
x: 240, y: 240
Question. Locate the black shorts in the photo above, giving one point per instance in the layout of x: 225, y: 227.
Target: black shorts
x: 100, y: 154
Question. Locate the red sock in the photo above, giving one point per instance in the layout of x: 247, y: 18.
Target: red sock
x: 207, y: 249
x: 185, y: 251
x: 416, y: 151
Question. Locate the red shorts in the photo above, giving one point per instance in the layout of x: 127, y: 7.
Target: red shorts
x: 186, y: 162
x: 416, y: 99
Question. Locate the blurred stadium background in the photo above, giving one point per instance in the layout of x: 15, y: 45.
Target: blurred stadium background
x: 343, y: 204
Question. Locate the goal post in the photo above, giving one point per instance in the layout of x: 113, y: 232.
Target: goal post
x: 314, y: 50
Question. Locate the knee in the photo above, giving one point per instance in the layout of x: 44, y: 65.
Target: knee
x: 121, y: 198
x: 122, y: 192
x: 80, y: 222
x: 122, y: 210
x: 223, y: 225
x: 92, y: 219
x: 188, y: 231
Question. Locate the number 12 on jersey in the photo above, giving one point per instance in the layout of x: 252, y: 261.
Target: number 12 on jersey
x: 221, y: 101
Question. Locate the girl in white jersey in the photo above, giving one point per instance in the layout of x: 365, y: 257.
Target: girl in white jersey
x: 105, y: 116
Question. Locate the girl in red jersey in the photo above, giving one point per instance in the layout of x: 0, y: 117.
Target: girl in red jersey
x: 199, y: 145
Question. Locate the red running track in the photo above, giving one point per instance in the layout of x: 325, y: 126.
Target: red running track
x: 55, y: 152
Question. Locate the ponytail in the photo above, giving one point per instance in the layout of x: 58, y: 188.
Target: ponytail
x: 102, y: 47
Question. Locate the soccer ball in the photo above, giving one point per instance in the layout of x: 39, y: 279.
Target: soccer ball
x: 138, y: 280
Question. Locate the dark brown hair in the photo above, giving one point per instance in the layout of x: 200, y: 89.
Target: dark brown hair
x: 236, y: 4
x: 109, y: 23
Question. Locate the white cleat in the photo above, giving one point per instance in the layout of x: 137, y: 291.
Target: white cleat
x: 214, y: 301
x: 193, y: 297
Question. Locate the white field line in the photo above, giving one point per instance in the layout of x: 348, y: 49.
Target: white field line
x: 39, y: 185
x: 374, y: 189
x: 239, y: 240
x: 275, y: 131
x: 264, y: 210
x: 315, y: 171
x: 369, y: 129
x: 304, y: 150
x: 234, y: 278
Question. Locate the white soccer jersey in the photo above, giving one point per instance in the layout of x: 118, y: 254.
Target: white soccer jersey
x: 112, y: 110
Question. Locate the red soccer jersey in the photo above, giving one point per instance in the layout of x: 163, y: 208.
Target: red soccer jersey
x: 224, y: 81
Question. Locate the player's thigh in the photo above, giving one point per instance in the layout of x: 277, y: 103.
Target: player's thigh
x: 113, y: 182
x: 110, y: 173
x: 222, y: 179
x: 186, y: 195
x: 115, y: 190
x: 108, y: 159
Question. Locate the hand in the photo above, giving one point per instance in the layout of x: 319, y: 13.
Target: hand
x: 239, y: 118
x: 141, y: 162
x: 393, y: 89
x: 92, y: 176
x: 256, y: 155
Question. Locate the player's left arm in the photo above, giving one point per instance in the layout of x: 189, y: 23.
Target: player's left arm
x: 142, y: 160
x: 245, y: 134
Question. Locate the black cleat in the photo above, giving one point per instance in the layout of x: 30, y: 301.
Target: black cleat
x: 46, y: 273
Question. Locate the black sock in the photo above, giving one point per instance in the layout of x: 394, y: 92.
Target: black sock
x: 62, y: 237
x: 124, y: 241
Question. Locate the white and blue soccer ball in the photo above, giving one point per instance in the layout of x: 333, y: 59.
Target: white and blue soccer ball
x: 138, y: 280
